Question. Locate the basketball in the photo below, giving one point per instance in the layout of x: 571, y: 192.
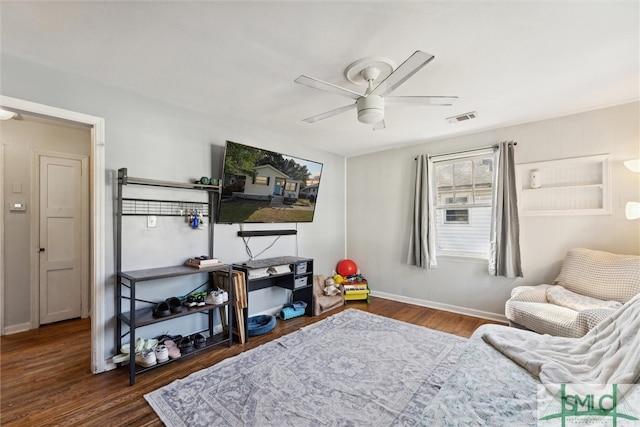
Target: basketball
x: 346, y: 267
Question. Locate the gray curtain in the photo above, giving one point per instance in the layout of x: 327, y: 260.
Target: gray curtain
x: 504, y: 258
x: 422, y: 243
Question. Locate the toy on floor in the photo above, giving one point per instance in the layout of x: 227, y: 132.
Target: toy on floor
x: 331, y: 287
x: 346, y: 267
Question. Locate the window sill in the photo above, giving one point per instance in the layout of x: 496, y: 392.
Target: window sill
x: 463, y: 256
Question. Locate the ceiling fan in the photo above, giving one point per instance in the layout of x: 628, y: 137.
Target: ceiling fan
x: 371, y: 104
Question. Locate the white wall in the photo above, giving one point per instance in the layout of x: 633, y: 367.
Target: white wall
x: 154, y: 139
x: 379, y: 212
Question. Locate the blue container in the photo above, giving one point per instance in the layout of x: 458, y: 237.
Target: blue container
x: 290, y: 312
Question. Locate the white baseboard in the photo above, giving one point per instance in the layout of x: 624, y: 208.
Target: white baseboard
x: 441, y: 306
x: 14, y: 329
x: 108, y: 366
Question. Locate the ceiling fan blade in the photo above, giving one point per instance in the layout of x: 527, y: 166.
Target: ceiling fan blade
x: 329, y: 113
x: 422, y: 100
x: 407, y: 69
x: 380, y: 125
x: 327, y: 87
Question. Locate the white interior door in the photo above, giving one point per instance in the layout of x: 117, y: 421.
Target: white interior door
x: 61, y: 272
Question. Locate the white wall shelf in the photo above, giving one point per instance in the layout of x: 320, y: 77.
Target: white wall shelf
x: 574, y: 186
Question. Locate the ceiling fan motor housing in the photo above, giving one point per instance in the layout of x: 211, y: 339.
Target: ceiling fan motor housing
x: 370, y: 109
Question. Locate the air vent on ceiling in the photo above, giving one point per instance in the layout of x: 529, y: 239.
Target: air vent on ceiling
x: 462, y: 117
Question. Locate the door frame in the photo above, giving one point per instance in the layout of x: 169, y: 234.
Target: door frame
x: 96, y: 217
x: 35, y: 233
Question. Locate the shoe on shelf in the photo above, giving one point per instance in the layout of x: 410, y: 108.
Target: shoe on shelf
x: 119, y: 358
x: 162, y: 353
x: 172, y: 349
x: 217, y: 298
x: 141, y: 345
x: 174, y: 304
x: 185, y: 345
x: 199, y: 340
x: 225, y: 295
x: 162, y: 309
x: 150, y: 344
x: 200, y: 302
x: 146, y: 358
x: 190, y: 301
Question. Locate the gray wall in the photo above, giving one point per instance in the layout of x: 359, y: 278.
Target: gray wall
x: 379, y: 212
x: 154, y: 139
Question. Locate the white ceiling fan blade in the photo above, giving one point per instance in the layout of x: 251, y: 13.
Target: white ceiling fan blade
x: 407, y: 69
x: 380, y: 125
x: 327, y: 87
x: 422, y: 100
x: 329, y: 113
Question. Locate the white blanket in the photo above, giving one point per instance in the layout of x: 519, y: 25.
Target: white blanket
x: 608, y: 354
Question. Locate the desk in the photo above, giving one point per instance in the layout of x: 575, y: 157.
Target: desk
x: 298, y: 279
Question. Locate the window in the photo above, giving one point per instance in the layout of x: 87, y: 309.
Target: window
x: 463, y: 196
x: 261, y: 180
x: 456, y: 216
x: 291, y: 186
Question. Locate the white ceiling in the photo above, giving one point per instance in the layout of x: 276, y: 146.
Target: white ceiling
x: 511, y: 62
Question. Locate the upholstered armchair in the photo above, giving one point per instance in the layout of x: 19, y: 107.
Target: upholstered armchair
x: 322, y: 302
x: 591, y: 286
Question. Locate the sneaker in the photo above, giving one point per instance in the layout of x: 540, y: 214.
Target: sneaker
x: 217, y: 297
x: 186, y: 344
x: 162, y: 353
x: 146, y: 358
x: 199, y: 341
x: 172, y: 349
x: 200, y: 302
x: 190, y: 301
x: 225, y: 295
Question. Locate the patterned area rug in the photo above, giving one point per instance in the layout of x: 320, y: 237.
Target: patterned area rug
x: 353, y: 368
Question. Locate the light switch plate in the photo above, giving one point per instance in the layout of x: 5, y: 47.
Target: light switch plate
x: 17, y: 206
x: 151, y: 221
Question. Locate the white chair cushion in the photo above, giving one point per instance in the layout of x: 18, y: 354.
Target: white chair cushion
x: 558, y: 295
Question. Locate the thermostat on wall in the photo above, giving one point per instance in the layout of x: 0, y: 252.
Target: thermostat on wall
x: 17, y: 206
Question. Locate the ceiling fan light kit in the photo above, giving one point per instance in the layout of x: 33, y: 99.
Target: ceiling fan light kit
x: 371, y: 104
x: 370, y: 109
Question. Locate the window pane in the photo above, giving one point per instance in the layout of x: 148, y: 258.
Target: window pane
x: 471, y: 237
x: 483, y: 171
x: 463, y: 175
x: 444, y: 175
x: 457, y: 216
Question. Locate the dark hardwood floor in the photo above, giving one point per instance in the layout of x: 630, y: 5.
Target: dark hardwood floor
x: 46, y: 378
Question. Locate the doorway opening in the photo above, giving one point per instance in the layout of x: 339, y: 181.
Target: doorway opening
x: 96, y: 219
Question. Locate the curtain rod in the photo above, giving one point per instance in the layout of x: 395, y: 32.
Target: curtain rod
x: 494, y: 146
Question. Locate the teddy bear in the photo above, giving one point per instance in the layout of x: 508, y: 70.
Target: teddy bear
x: 331, y: 287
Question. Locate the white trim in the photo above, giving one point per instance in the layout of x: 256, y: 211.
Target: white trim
x: 15, y: 329
x: 97, y: 215
x: 453, y: 157
x: 441, y: 306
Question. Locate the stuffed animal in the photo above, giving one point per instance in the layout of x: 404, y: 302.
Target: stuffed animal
x: 331, y: 288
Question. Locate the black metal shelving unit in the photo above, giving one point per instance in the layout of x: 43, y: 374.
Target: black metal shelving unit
x: 139, y: 317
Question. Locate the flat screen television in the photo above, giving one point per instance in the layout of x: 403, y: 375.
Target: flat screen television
x: 261, y: 186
